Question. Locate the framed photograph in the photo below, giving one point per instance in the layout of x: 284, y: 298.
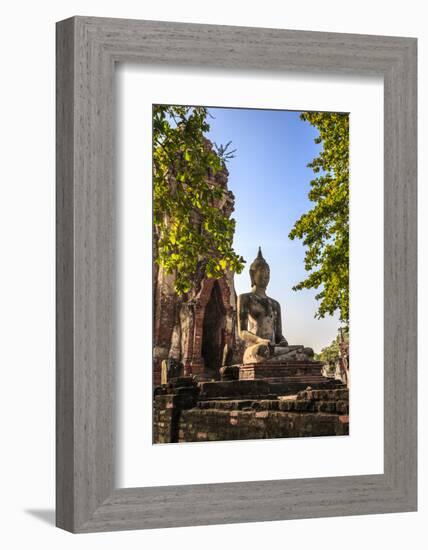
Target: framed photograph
x: 222, y: 368
x: 236, y: 225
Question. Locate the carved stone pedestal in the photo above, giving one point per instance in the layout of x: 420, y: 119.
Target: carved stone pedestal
x: 280, y: 371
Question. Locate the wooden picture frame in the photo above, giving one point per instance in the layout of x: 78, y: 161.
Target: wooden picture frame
x: 87, y: 50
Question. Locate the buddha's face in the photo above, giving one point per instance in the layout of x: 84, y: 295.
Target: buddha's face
x: 261, y: 277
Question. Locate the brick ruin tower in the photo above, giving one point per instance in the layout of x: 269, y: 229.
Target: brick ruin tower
x: 197, y: 329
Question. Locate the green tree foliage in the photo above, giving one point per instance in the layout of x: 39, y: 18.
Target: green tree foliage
x: 330, y: 354
x: 192, y: 232
x: 325, y: 228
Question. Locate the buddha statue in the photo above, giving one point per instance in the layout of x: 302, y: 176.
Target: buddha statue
x: 259, y: 322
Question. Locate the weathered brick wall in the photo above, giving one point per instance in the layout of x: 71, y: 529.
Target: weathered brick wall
x: 264, y: 419
x: 190, y: 414
x: 220, y: 425
x: 165, y: 419
x: 168, y: 404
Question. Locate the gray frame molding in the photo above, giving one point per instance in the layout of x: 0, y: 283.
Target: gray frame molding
x: 87, y: 50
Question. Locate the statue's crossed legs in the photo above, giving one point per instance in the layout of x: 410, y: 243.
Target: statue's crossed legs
x: 273, y: 353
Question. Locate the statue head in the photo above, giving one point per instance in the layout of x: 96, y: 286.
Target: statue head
x: 259, y: 271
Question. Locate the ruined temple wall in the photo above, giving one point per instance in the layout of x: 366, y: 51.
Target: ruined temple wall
x: 178, y: 320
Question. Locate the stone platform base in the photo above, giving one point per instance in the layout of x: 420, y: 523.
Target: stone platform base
x: 288, y: 377
x: 209, y: 416
x: 184, y: 410
x: 235, y: 389
x: 282, y: 371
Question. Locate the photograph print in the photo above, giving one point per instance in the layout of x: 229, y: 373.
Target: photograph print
x: 250, y: 274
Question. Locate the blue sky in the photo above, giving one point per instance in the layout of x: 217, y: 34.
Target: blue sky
x: 270, y: 180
